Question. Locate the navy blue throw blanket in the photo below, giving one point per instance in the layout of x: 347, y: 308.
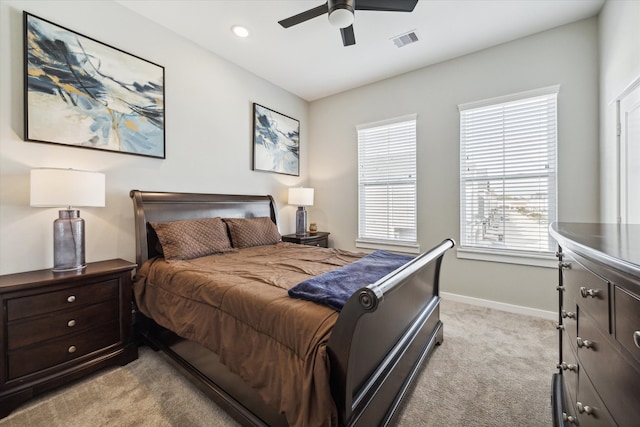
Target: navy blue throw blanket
x: 334, y: 288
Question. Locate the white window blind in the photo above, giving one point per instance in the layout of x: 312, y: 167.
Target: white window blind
x: 508, y: 173
x: 387, y: 181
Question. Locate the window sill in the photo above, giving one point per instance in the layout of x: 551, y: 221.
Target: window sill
x: 531, y: 259
x: 409, y: 248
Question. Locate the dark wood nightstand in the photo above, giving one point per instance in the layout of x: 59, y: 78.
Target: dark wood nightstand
x: 321, y: 239
x: 58, y: 327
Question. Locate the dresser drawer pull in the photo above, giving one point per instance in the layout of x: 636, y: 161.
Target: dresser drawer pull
x: 584, y: 409
x: 636, y: 338
x: 585, y: 343
x: 589, y: 292
x: 568, y: 366
x: 71, y: 323
x: 568, y: 418
x: 568, y: 314
x: 72, y: 349
x: 71, y: 298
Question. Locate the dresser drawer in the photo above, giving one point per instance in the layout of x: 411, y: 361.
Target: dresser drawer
x: 19, y: 308
x: 28, y: 360
x: 569, y: 315
x: 589, y: 291
x: 618, y: 381
x: 626, y: 318
x: 569, y: 367
x: 589, y: 408
x: 61, y: 323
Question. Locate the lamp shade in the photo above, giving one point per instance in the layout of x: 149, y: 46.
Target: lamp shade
x: 67, y: 187
x: 301, y: 196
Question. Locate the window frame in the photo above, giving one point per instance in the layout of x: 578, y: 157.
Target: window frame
x: 506, y: 255
x: 370, y: 242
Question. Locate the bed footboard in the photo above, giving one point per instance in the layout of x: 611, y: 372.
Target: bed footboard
x: 383, y: 334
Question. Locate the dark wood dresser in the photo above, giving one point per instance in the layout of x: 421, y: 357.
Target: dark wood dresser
x: 58, y: 327
x: 598, y: 378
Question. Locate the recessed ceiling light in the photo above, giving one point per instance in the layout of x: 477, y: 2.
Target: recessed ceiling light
x: 240, y: 31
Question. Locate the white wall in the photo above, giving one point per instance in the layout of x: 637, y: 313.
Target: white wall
x: 619, y: 24
x: 208, y: 134
x: 566, y: 55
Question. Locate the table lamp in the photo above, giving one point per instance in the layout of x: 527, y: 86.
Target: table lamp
x: 68, y: 188
x: 301, y: 197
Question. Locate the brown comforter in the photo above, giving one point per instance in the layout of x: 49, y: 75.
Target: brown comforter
x: 236, y: 304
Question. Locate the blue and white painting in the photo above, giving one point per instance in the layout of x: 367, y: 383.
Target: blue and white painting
x: 276, y: 142
x: 84, y: 93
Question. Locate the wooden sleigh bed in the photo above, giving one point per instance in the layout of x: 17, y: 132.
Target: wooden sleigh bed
x: 379, y: 341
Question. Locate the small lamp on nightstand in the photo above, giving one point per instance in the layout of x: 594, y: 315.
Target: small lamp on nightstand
x: 67, y: 187
x: 301, y: 197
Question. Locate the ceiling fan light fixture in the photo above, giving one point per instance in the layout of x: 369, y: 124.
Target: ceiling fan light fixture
x: 341, y: 14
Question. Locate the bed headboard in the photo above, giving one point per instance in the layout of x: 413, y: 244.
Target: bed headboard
x: 150, y: 206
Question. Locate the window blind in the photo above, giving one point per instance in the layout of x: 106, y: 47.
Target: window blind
x: 387, y: 181
x: 508, y: 173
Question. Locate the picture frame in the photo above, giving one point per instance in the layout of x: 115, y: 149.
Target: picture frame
x: 83, y: 93
x: 276, y: 142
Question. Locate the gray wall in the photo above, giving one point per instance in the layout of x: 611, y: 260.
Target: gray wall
x: 619, y: 24
x: 208, y: 134
x: 566, y: 56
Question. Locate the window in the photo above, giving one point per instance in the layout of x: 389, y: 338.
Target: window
x: 508, y: 174
x: 387, y: 185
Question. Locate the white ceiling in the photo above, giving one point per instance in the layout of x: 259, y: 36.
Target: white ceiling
x: 309, y: 60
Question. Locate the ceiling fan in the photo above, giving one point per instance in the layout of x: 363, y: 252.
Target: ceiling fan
x: 341, y: 13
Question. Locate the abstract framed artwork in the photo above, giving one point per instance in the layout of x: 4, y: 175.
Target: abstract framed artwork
x: 276, y: 142
x: 83, y: 93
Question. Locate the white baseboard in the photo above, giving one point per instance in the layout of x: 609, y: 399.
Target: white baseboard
x: 517, y: 309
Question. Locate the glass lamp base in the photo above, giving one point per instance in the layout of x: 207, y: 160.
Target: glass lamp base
x: 68, y: 241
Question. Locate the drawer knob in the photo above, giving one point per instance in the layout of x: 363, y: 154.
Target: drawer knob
x: 636, y: 338
x: 71, y: 323
x: 569, y: 314
x: 585, y: 343
x: 72, y: 349
x: 568, y: 366
x: 568, y: 418
x: 589, y: 292
x: 71, y: 298
x: 584, y: 409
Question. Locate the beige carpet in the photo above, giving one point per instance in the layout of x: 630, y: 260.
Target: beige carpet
x: 493, y: 369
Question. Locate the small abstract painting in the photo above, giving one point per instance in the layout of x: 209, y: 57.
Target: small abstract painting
x: 276, y: 142
x: 84, y: 93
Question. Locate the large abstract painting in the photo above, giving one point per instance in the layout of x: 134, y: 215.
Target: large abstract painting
x: 276, y: 142
x: 84, y: 93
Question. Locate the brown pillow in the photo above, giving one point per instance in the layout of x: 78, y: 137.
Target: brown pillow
x: 246, y: 232
x: 192, y: 238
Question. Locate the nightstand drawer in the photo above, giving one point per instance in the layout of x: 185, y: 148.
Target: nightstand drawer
x: 61, y: 323
x: 32, y: 359
x: 627, y: 320
x: 19, y: 308
x: 320, y: 239
x: 322, y: 242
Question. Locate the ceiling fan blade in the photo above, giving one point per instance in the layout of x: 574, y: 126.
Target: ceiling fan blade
x: 348, y: 37
x: 387, y: 5
x: 304, y: 16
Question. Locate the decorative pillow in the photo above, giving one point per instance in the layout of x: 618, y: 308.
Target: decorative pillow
x: 192, y: 238
x: 246, y: 232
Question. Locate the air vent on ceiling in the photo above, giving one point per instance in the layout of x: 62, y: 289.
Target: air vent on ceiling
x: 405, y: 39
